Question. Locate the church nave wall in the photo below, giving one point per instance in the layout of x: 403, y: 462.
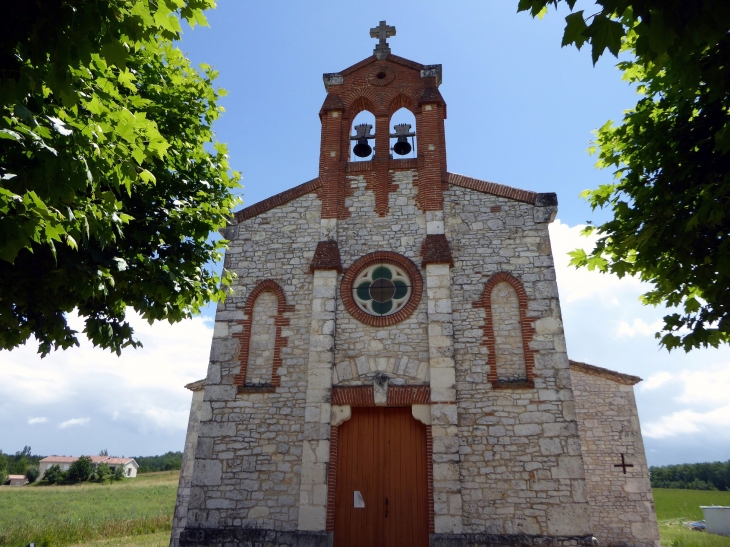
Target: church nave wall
x: 401, y: 350
x: 249, y: 453
x: 521, y: 467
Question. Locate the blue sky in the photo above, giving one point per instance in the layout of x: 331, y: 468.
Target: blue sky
x: 520, y: 112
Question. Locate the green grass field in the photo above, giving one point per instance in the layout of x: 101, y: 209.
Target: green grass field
x: 674, y: 508
x: 138, y: 513
x: 56, y: 516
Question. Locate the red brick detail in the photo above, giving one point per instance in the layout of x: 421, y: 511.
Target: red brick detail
x: 431, y: 157
x: 244, y: 336
x: 359, y: 166
x: 528, y: 331
x: 326, y: 257
x: 362, y: 396
x: 402, y: 88
x: 358, y: 396
x: 435, y: 250
x: 409, y: 163
x: 384, y: 257
x: 431, y: 95
x: 409, y: 395
x: 279, y: 199
x: 332, y: 478
x: 373, y: 59
x: 357, y: 66
x: 401, y: 101
x: 493, y: 188
x: 331, y: 102
x: 405, y: 62
x: 429, y: 486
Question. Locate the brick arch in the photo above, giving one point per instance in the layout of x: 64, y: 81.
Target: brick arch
x: 401, y: 100
x: 528, y: 331
x: 244, y: 336
x: 355, y: 105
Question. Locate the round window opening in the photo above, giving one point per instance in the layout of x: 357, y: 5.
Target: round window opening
x: 381, y: 289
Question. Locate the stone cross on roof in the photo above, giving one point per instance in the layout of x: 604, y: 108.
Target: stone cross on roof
x: 382, y: 32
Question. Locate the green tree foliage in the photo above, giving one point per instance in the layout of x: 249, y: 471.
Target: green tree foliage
x: 165, y: 462
x: 101, y: 472
x: 32, y: 473
x: 80, y: 470
x: 111, y: 181
x: 692, y: 476
x: 671, y: 156
x: 53, y: 474
x: 117, y: 474
x: 18, y: 463
x: 3, y: 468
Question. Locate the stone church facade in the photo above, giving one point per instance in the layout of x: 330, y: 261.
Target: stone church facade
x: 391, y: 368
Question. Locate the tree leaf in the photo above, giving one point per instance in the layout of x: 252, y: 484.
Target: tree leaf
x: 575, y: 26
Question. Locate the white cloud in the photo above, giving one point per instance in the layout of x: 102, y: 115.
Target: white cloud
x: 655, y: 381
x: 581, y: 284
x: 708, y: 388
x: 639, y: 326
x: 714, y: 422
x: 74, y: 422
x: 38, y: 420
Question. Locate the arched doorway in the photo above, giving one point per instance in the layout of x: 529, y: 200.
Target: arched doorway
x: 382, y: 480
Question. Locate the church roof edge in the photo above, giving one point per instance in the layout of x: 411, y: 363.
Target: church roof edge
x: 196, y: 386
x: 604, y: 373
x: 537, y: 199
x: 278, y: 199
x: 427, y: 71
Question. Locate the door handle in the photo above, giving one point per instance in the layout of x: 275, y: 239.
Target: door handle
x: 386, y: 507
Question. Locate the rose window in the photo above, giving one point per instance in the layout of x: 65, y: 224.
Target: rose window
x: 381, y: 289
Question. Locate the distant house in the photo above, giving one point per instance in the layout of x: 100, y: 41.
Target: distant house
x: 17, y: 480
x: 129, y: 465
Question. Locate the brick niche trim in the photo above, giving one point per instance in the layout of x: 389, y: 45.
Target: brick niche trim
x: 326, y: 257
x: 381, y: 257
x: 528, y: 332
x: 435, y: 250
x: 362, y: 396
x: 280, y: 321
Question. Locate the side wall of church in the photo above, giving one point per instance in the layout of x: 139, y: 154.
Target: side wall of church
x: 401, y: 350
x: 521, y: 468
x: 608, y: 422
x: 186, y: 469
x: 249, y: 450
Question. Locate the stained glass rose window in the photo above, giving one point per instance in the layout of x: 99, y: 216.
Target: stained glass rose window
x: 381, y: 289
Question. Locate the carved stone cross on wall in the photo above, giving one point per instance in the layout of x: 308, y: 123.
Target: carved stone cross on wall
x: 382, y: 32
x: 623, y: 464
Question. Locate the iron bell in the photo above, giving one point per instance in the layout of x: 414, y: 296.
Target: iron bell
x: 402, y: 132
x: 402, y: 147
x: 363, y: 132
x: 362, y: 149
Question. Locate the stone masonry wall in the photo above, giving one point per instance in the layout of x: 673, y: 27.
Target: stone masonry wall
x: 263, y: 336
x: 622, y: 504
x: 400, y: 351
x: 507, y: 333
x: 521, y: 469
x: 186, y: 468
x: 249, y: 451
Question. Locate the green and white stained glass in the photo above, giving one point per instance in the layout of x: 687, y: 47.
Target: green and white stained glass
x: 381, y: 289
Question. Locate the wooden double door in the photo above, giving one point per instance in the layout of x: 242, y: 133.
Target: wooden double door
x: 382, y: 480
